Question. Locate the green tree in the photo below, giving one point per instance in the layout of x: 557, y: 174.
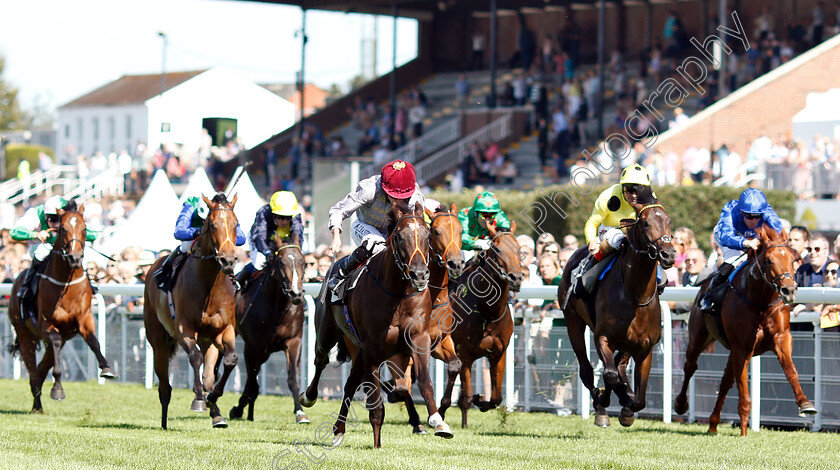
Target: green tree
x: 11, y: 116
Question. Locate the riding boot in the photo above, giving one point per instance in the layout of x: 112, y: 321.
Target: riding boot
x: 244, y: 275
x: 26, y: 288
x: 162, y: 273
x: 714, y: 294
x: 587, y: 278
x: 346, y: 265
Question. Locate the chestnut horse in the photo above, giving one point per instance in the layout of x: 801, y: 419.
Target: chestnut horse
x: 204, y: 315
x: 623, y: 312
x: 447, y: 263
x: 269, y: 317
x: 62, y: 308
x: 754, y: 318
x: 381, y: 315
x: 479, y: 299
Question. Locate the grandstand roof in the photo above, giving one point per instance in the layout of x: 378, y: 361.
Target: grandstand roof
x: 423, y: 9
x: 130, y: 89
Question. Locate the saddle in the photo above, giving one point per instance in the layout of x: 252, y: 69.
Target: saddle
x: 588, y: 282
x: 347, y: 284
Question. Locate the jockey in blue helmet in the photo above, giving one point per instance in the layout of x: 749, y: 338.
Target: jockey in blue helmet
x: 735, y: 232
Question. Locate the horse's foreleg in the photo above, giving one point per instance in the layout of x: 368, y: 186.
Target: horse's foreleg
x: 354, y: 379
x: 252, y: 387
x: 698, y: 339
x: 227, y: 342
x: 497, y: 378
x: 421, y: 362
x: 373, y: 400
x: 86, y: 329
x: 725, y: 384
x: 399, y: 389
x: 606, y: 352
x: 446, y: 352
x: 465, y: 400
x: 187, y: 341
x: 326, y: 337
x: 292, y: 378
x: 622, y: 389
x: 27, y: 343
x: 576, y: 328
x: 641, y: 373
x: 784, y: 350
x: 741, y: 371
x: 56, y: 343
x: 211, y: 358
x: 37, y: 377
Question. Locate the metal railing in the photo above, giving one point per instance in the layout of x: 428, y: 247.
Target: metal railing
x: 531, y: 369
x: 110, y: 182
x: 818, y: 180
x: 743, y: 175
x: 450, y: 157
x: 413, y: 151
x: 15, y: 191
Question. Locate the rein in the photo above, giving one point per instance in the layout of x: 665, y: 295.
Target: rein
x: 404, y: 267
x: 777, y: 298
x: 63, y: 251
x: 650, y: 249
x: 439, y: 258
x: 206, y: 230
x: 265, y: 277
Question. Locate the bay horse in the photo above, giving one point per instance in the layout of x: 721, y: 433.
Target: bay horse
x: 480, y: 299
x: 269, y: 317
x: 447, y: 263
x: 381, y: 315
x: 754, y: 318
x: 62, y: 308
x: 623, y: 312
x: 203, y: 319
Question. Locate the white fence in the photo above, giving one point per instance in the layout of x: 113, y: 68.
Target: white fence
x: 15, y: 191
x: 816, y: 355
x: 420, y: 147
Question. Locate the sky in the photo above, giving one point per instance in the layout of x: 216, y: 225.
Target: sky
x: 58, y: 50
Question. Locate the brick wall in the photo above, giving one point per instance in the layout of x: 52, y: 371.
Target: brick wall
x: 764, y: 106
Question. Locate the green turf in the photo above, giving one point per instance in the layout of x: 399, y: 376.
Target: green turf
x: 117, y: 426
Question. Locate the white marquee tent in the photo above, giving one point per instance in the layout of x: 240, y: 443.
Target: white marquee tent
x: 152, y: 223
x: 199, y: 184
x: 819, y: 116
x: 248, y: 201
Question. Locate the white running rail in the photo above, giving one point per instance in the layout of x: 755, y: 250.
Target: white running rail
x: 15, y: 191
x: 451, y: 156
x: 411, y: 152
x: 108, y: 183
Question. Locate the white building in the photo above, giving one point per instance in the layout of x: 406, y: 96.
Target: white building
x: 131, y: 109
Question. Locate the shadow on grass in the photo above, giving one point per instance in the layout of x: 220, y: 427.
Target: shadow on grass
x: 19, y: 412
x: 530, y: 435
x: 126, y: 426
x: 685, y: 432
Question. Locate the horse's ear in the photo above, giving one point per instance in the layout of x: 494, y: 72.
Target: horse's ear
x: 428, y: 212
x: 453, y: 208
x: 513, y: 226
x: 59, y: 212
x: 626, y: 222
x: 81, y: 209
x: 418, y: 209
x: 233, y: 202
x: 293, y: 238
x: 207, y: 201
x: 491, y: 230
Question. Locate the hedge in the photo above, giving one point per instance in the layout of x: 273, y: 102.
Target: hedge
x: 695, y: 207
x: 16, y: 152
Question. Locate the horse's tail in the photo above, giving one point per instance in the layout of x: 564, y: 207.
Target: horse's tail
x: 13, y: 348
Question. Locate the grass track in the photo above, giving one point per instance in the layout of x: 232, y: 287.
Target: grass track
x: 117, y: 426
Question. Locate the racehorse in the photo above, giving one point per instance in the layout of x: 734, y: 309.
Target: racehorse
x: 385, y: 314
x: 447, y: 263
x: 623, y: 313
x: 754, y: 318
x: 479, y: 299
x: 269, y: 317
x: 199, y: 312
x: 62, y: 308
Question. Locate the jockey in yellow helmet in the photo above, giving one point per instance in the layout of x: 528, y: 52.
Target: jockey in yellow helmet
x: 612, y: 205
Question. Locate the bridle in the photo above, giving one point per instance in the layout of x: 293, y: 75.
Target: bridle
x: 404, y: 267
x: 775, y: 281
x: 651, y: 249
x: 284, y: 281
x: 509, y: 277
x: 439, y: 258
x: 205, y: 231
x: 63, y: 252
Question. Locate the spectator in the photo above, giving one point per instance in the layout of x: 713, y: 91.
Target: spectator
x: 415, y: 118
x: 570, y: 242
x: 564, y: 256
x: 144, y: 264
x: 800, y: 237
x: 695, y: 273
x: 553, y: 249
x: 462, y: 91
x: 829, y: 320
x: 324, y: 264
x: 544, y: 239
x: 812, y: 273
x: 310, y: 268
x: 477, y: 51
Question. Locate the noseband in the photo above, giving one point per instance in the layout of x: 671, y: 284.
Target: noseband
x: 775, y: 281
x: 63, y: 252
x: 651, y: 249
x: 404, y: 267
x: 438, y: 257
x: 284, y: 281
x: 206, y: 230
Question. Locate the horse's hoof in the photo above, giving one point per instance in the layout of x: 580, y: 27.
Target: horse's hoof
x: 107, y: 374
x: 338, y: 439
x: 807, y: 409
x: 199, y: 406
x: 305, y: 401
x: 37, y: 411
x: 626, y: 417
x: 442, y: 430
x: 235, y: 413
x: 602, y: 421
x: 57, y: 394
x: 680, y: 406
x: 219, y: 422
x: 301, y: 418
x: 420, y: 430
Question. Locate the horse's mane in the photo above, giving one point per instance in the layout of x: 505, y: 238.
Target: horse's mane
x: 71, y: 206
x: 646, y: 195
x: 220, y: 197
x: 391, y: 223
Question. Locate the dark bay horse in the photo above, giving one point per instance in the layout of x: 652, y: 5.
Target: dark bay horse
x: 62, y: 308
x: 381, y: 317
x: 623, y: 313
x: 204, y: 313
x: 480, y: 302
x: 269, y: 317
x: 754, y: 318
x: 447, y: 262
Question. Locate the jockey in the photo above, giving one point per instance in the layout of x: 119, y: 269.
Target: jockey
x: 371, y: 201
x: 187, y: 228
x: 274, y: 222
x: 40, y: 223
x: 485, y: 210
x: 613, y: 205
x: 734, y: 233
